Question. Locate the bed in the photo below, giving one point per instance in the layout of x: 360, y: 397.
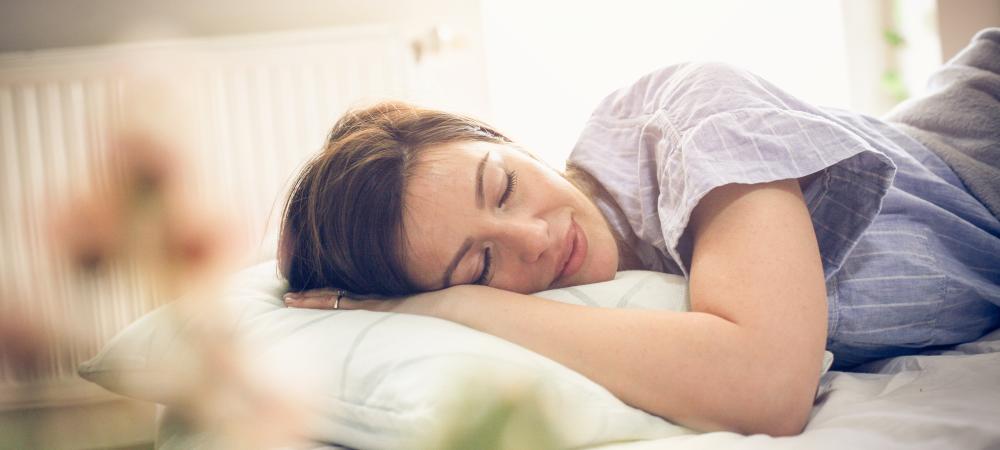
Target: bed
x: 365, y: 398
x: 941, y: 400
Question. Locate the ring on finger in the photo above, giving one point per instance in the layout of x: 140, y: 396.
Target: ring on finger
x: 336, y: 303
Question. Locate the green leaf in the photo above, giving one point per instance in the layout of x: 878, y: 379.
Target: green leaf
x: 893, y: 38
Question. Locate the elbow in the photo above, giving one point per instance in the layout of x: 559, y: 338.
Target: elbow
x: 785, y: 424
x: 791, y: 423
x: 774, y: 415
x: 785, y: 390
x: 785, y: 412
x: 778, y: 407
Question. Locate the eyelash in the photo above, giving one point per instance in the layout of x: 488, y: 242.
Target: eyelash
x: 511, y: 185
x: 487, y: 262
x: 487, y: 257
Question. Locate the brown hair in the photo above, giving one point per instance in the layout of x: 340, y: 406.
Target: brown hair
x: 342, y: 224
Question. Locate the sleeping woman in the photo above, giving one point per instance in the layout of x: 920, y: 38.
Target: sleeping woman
x: 798, y: 229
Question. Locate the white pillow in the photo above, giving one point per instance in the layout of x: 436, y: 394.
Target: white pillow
x: 379, y: 380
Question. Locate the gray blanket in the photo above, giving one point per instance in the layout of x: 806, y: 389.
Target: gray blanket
x: 959, y: 117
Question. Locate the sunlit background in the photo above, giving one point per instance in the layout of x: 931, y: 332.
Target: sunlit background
x: 259, y: 82
x: 537, y: 68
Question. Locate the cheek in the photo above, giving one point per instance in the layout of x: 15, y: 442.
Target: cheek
x: 603, y: 250
x: 606, y: 267
x: 597, y: 261
x: 523, y: 279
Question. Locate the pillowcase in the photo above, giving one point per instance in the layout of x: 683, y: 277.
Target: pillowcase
x: 381, y: 380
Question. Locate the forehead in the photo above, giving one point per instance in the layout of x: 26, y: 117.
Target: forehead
x: 442, y: 159
x: 439, y: 207
x: 445, y: 170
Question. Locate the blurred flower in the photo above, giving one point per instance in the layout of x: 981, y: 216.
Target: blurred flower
x: 143, y: 213
x: 88, y: 231
x: 149, y: 168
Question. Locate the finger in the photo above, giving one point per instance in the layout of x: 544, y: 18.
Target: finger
x: 316, y: 293
x: 316, y: 302
x: 321, y: 293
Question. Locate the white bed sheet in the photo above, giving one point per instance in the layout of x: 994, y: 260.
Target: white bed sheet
x: 939, y: 400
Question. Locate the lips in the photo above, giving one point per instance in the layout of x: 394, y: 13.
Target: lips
x: 575, y: 248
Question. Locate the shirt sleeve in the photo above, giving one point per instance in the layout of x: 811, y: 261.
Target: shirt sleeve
x: 718, y: 125
x: 760, y: 146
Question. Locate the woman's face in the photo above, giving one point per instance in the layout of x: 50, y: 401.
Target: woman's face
x: 484, y: 213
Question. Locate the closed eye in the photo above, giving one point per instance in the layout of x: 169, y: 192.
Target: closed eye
x: 487, y: 262
x: 511, y: 185
x: 486, y: 276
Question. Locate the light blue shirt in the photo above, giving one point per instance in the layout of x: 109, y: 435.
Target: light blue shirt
x: 911, y: 259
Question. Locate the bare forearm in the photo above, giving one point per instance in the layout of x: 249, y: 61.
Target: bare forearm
x: 692, y: 368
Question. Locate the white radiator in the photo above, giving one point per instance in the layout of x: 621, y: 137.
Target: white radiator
x: 265, y: 103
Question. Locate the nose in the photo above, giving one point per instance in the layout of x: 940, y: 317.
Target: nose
x: 526, y: 237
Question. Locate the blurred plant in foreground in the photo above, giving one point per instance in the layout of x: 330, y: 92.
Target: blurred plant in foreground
x: 143, y: 213
x: 484, y: 416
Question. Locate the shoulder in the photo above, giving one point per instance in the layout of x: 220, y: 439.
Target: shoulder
x: 687, y: 93
x: 693, y: 74
x: 712, y: 72
x: 681, y: 77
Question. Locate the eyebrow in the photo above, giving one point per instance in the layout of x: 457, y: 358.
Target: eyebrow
x: 467, y: 244
x: 480, y: 169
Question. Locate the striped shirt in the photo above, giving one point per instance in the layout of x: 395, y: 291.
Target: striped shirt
x: 911, y: 259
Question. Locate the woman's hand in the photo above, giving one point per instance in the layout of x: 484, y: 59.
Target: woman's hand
x: 427, y: 303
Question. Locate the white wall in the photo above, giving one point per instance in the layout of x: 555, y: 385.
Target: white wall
x: 549, y: 63
x: 959, y: 20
